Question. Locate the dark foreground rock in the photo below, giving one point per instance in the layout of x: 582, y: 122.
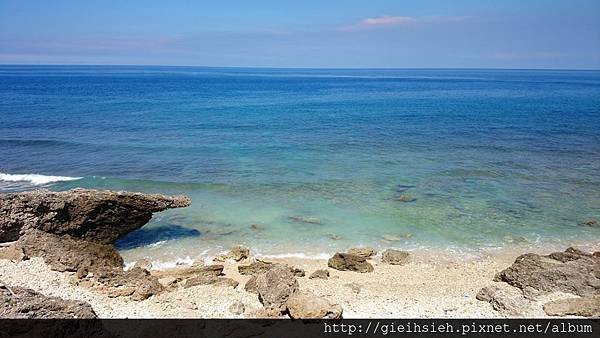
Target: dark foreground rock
x: 585, y: 307
x: 63, y: 253
x: 572, y: 271
x: 21, y: 303
x: 99, y: 216
x: 349, y: 262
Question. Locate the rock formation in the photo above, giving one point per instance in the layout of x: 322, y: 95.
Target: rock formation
x: 585, y: 307
x: 21, y: 303
x: 276, y: 286
x: 395, y: 257
x: 365, y: 252
x: 349, y: 262
x: 99, y: 216
x: 571, y: 271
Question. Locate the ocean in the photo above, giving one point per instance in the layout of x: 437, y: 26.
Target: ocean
x: 309, y: 161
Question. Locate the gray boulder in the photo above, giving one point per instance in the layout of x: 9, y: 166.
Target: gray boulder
x: 395, y: 257
x: 571, y: 271
x: 21, y: 303
x: 99, y: 216
x: 276, y: 286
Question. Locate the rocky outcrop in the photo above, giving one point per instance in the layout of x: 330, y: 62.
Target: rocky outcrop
x: 21, y: 303
x: 63, y: 253
x: 349, y: 262
x: 571, y: 271
x: 505, y: 299
x: 365, y: 252
x: 136, y: 283
x: 306, y: 305
x: 585, y: 307
x: 197, y: 274
x: 395, y: 257
x: 99, y: 216
x: 276, y: 286
x: 250, y: 285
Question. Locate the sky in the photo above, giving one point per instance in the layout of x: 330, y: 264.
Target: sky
x: 309, y: 33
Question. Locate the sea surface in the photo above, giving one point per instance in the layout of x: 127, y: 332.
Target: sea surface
x: 309, y: 161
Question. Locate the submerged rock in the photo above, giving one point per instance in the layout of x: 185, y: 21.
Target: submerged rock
x: 365, y: 252
x: 99, y: 216
x: 306, y: 305
x: 303, y: 219
x: 276, y: 286
x: 590, y: 222
x: 63, y: 253
x: 349, y: 262
x: 395, y: 257
x: 320, y: 274
x: 21, y: 303
x: 406, y: 198
x: 585, y: 307
x: 571, y: 271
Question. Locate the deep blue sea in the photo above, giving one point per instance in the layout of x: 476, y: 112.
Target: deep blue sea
x: 315, y: 160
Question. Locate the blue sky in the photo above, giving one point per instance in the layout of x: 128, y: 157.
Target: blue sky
x: 344, y: 33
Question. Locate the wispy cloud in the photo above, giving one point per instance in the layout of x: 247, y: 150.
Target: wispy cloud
x: 386, y: 21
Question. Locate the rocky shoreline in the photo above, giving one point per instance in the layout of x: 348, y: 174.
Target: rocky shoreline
x: 59, y: 244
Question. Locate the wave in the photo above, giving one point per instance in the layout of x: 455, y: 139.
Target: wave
x: 35, y: 179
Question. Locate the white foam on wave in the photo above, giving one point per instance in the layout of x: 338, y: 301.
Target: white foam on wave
x: 35, y: 179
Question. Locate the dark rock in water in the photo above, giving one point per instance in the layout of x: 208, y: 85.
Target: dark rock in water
x: 395, y: 257
x: 406, y: 198
x: 320, y: 274
x: 365, y: 252
x: 585, y: 307
x: 571, y: 271
x: 505, y: 299
x: 99, y: 216
x: 276, y: 286
x: 136, y: 283
x: 306, y: 305
x: 349, y: 262
x: 590, y: 222
x: 63, y: 253
x: 303, y: 219
x: 21, y: 303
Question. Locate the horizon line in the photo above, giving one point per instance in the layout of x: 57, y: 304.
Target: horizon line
x: 273, y: 67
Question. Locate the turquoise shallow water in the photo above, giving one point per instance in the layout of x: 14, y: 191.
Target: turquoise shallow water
x: 312, y: 161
